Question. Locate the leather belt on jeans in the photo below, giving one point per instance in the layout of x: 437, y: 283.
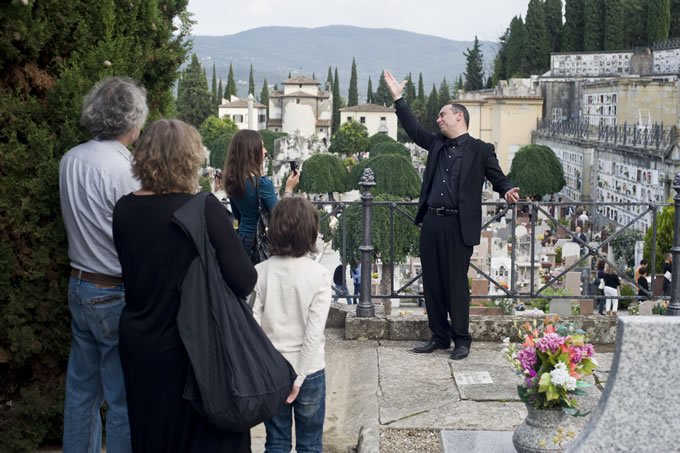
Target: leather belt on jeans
x: 96, y: 278
x: 443, y: 211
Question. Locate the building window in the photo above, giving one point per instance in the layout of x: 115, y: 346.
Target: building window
x: 362, y: 119
x: 556, y: 114
x: 297, y: 101
x: 261, y: 118
x: 300, y: 85
x: 349, y: 118
x: 383, y: 118
x: 321, y: 129
x: 276, y: 129
x: 238, y: 118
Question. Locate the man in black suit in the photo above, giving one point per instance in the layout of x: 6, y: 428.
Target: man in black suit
x: 450, y: 212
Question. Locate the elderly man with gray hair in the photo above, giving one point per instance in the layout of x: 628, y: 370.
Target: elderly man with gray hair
x: 92, y: 177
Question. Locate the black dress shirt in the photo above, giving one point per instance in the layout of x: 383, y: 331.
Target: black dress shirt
x: 444, y: 189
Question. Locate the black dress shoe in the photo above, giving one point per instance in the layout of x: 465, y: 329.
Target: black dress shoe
x: 460, y: 352
x: 429, y: 347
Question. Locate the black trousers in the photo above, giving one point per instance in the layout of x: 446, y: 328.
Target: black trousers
x: 445, y: 260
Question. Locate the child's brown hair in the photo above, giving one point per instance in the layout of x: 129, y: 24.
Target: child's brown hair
x: 294, y: 227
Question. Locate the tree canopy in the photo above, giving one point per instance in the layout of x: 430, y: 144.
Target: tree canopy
x: 665, y: 225
x: 350, y: 139
x: 536, y: 171
x: 389, y: 147
x: 379, y: 138
x: 214, y: 128
x: 194, y: 102
x: 537, y: 44
x: 474, y: 78
x: 52, y: 53
x: 394, y: 174
x: 323, y: 173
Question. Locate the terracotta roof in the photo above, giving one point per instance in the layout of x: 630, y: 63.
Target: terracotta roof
x: 528, y: 98
x: 241, y: 103
x: 368, y: 108
x: 323, y: 123
x: 274, y: 122
x: 301, y: 79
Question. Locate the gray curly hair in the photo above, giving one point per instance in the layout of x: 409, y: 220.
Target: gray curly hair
x: 113, y: 107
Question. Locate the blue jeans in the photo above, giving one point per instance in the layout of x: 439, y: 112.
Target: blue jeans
x: 341, y: 290
x: 94, y: 373
x: 310, y: 409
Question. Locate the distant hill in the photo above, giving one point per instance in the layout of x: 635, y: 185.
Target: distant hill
x: 275, y: 51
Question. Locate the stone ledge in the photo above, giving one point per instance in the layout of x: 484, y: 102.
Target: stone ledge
x: 600, y: 329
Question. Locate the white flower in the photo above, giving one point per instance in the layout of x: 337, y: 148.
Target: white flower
x: 560, y: 376
x: 570, y: 385
x: 506, y: 340
x: 505, y: 350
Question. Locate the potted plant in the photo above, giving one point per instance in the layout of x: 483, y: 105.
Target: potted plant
x: 553, y: 362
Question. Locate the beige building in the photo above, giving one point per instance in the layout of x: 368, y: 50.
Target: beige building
x: 301, y: 108
x: 376, y: 118
x: 505, y: 121
x: 640, y: 101
x: 237, y: 111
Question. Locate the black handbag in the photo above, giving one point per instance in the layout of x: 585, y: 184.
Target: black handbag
x: 237, y: 378
x: 261, y: 249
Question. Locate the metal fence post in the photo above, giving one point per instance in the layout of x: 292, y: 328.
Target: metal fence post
x: 365, y: 309
x: 674, y: 305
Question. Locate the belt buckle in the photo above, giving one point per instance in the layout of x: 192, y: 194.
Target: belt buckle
x: 440, y: 211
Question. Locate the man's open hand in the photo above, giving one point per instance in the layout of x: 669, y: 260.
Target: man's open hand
x: 512, y: 195
x: 395, y: 87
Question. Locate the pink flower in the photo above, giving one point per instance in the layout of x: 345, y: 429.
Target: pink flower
x: 581, y: 352
x: 550, y: 341
x: 527, y: 358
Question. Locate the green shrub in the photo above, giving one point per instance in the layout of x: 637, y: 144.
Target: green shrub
x: 626, y: 290
x: 389, y: 148
x: 379, y: 138
x: 51, y: 54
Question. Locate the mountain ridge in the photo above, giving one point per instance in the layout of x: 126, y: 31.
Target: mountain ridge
x: 274, y: 51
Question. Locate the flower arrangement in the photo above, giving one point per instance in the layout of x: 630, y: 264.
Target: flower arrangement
x: 553, y: 362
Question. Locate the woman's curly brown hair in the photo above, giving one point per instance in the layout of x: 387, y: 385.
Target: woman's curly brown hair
x: 168, y: 156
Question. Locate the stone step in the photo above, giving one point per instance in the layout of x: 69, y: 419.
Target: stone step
x: 477, y: 441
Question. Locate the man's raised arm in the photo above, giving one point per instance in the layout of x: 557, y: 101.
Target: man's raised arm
x: 422, y: 137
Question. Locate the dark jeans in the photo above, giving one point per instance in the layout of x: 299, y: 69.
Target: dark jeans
x: 309, y: 409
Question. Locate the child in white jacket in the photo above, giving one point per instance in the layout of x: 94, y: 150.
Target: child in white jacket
x: 292, y: 299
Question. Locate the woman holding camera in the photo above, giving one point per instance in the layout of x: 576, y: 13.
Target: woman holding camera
x: 243, y: 179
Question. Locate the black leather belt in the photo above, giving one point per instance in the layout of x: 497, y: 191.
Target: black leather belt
x: 100, y: 279
x: 443, y: 211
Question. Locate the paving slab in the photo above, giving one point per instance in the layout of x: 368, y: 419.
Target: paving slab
x: 402, y: 363
x: 488, y: 384
x: 477, y: 441
x: 402, y: 398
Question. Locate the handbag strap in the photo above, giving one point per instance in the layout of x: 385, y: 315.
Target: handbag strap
x: 257, y: 193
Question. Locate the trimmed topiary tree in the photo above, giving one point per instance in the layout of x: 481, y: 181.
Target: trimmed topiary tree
x: 51, y: 54
x: 536, y: 171
x: 394, y: 174
x: 379, y: 138
x: 323, y: 173
x: 665, y: 224
x: 389, y: 148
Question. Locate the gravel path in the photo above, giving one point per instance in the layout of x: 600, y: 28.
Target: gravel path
x: 409, y: 441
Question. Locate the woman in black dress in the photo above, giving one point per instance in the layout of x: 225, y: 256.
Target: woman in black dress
x: 154, y: 254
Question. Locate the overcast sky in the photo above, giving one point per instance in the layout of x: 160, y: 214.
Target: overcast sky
x: 453, y: 19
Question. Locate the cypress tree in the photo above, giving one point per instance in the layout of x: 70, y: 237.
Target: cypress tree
x: 537, y: 54
x: 382, y: 94
x: 432, y: 111
x: 194, y: 104
x: 289, y: 75
x: 635, y: 23
x: 369, y: 92
x: 500, y: 62
x: 337, y: 102
x: 553, y: 22
x: 658, y: 20
x: 230, y: 90
x: 675, y: 19
x: 251, y: 82
x: 593, y: 31
x: 264, y: 96
x: 329, y: 79
x: 613, y: 25
x: 444, y: 92
x: 353, y: 93
x: 213, y: 91
x: 314, y: 75
x: 473, y: 69
x: 421, y: 91
x: 220, y: 94
x: 410, y: 91
x: 572, y: 36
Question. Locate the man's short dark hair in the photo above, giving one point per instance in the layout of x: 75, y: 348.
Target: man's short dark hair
x: 643, y: 261
x: 461, y: 108
x: 642, y: 271
x: 294, y: 227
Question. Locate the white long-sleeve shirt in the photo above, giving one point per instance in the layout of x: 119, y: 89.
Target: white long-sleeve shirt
x: 292, y: 299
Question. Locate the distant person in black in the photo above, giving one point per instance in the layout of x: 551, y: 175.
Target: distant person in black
x: 154, y: 253
x: 667, y: 272
x: 450, y: 211
x: 611, y: 289
x: 600, y: 282
x: 339, y: 281
x: 642, y: 283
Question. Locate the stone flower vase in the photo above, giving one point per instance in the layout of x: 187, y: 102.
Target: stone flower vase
x: 537, y: 431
